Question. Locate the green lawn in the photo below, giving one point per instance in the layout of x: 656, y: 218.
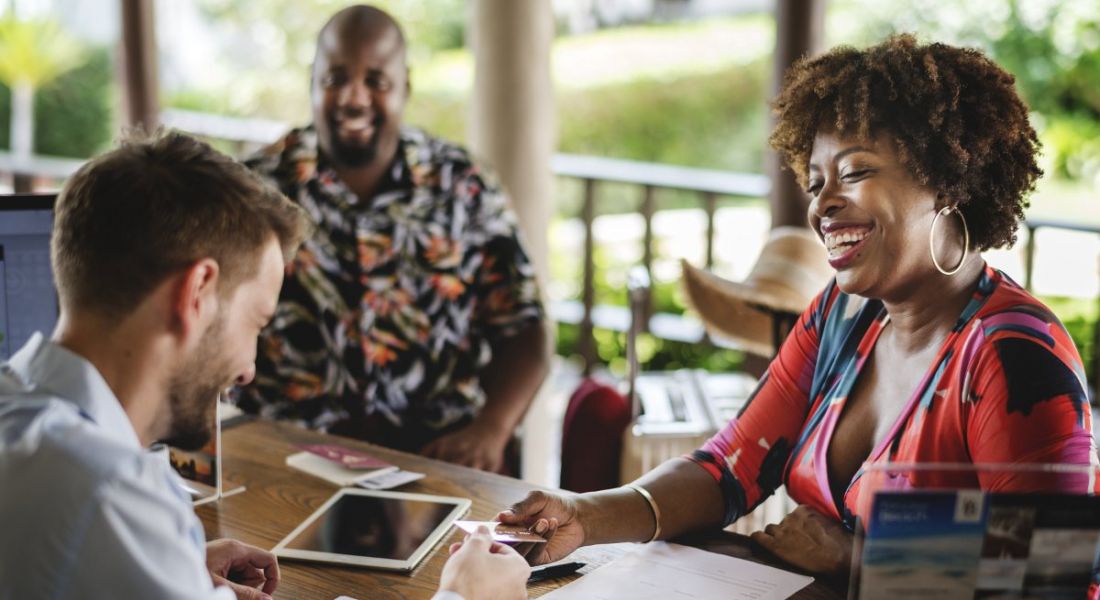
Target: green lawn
x: 625, y: 54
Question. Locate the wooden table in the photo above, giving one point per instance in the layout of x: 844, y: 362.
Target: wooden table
x: 278, y: 498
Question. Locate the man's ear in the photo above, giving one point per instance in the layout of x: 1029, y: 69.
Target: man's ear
x: 408, y: 83
x: 196, y: 300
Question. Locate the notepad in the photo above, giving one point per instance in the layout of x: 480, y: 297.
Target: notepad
x: 332, y: 472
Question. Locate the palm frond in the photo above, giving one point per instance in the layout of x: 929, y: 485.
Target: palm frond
x: 35, y: 51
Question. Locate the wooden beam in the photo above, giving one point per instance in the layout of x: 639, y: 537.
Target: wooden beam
x: 799, y: 31
x: 139, y: 63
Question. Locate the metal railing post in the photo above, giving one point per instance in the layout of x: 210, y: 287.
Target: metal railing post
x: 710, y: 207
x: 647, y: 209
x: 22, y: 183
x: 587, y: 341
x: 1029, y: 255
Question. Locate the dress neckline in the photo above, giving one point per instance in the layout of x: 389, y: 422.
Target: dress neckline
x: 931, y: 376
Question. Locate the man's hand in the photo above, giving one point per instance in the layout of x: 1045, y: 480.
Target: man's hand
x: 807, y: 539
x: 553, y: 517
x: 252, y: 573
x: 481, y: 569
x: 476, y: 445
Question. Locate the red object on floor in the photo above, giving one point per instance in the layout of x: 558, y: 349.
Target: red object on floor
x: 592, y: 437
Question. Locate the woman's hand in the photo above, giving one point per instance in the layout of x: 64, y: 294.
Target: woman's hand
x: 553, y: 517
x: 809, y: 540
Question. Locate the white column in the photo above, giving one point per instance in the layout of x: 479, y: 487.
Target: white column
x: 512, y: 125
x: 512, y: 129
x: 22, y: 120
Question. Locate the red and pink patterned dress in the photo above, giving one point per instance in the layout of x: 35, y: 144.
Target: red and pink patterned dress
x: 1006, y: 387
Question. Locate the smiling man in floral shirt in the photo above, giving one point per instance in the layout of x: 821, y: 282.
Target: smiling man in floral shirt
x: 412, y: 317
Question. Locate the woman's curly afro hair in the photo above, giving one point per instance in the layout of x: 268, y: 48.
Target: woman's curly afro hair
x: 953, y: 115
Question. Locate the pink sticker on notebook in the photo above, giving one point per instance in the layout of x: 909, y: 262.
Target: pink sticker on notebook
x: 345, y: 457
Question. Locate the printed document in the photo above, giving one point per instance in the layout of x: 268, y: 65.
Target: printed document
x: 660, y: 571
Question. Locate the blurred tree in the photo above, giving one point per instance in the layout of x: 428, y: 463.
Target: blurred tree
x: 33, y: 53
x: 74, y: 115
x: 429, y: 26
x: 270, y: 45
x: 1052, y: 47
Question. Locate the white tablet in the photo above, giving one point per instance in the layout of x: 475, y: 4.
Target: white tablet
x: 367, y: 528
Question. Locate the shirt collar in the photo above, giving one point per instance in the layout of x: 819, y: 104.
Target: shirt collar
x: 46, y: 366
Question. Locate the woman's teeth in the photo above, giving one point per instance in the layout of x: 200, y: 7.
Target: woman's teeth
x: 837, y: 243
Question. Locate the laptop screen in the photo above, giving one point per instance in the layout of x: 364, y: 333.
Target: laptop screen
x: 28, y: 299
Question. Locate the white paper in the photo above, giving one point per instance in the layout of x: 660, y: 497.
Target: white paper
x: 660, y: 571
x: 388, y: 481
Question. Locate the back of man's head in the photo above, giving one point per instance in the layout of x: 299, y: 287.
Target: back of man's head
x: 133, y: 216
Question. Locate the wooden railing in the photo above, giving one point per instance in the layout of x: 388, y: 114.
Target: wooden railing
x: 709, y: 185
x: 36, y: 172
x: 1033, y: 225
x: 592, y: 171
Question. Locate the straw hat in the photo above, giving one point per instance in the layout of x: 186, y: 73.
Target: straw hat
x: 791, y: 270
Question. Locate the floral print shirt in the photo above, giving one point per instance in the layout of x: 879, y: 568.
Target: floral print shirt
x: 391, y: 306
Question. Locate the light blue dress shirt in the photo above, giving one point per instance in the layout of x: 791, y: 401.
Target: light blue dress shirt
x: 85, y: 510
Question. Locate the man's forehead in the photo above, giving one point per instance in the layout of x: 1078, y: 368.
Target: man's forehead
x: 377, y: 45
x: 261, y: 288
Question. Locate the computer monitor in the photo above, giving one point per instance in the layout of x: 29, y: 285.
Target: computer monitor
x: 28, y: 298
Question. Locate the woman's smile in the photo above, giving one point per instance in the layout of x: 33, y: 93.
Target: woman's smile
x: 843, y: 241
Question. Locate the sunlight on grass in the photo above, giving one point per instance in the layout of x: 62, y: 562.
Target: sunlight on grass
x: 624, y: 54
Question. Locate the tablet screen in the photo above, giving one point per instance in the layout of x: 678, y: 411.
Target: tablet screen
x: 384, y: 527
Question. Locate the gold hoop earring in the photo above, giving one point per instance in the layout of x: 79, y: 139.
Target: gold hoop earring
x: 932, y: 239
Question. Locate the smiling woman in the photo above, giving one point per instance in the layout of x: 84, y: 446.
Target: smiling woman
x: 917, y: 158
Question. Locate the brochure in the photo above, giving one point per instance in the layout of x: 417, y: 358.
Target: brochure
x: 969, y: 544
x: 201, y: 470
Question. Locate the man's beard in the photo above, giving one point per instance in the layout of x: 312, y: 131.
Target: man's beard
x: 193, y: 392
x: 353, y: 155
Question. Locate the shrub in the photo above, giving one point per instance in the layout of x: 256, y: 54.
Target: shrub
x: 73, y: 115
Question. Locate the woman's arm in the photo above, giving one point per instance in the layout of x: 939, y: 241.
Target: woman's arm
x: 1026, y: 402
x: 739, y: 467
x: 684, y: 493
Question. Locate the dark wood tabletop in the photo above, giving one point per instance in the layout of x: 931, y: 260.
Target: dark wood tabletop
x: 278, y: 498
